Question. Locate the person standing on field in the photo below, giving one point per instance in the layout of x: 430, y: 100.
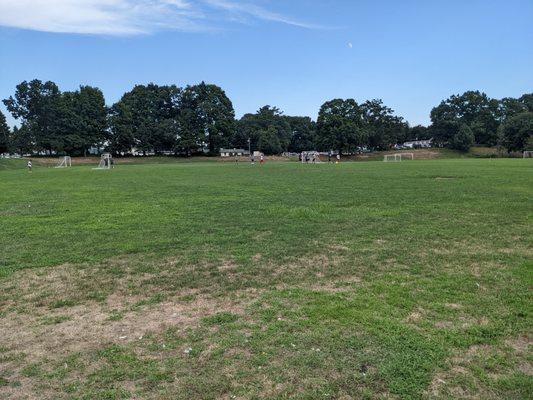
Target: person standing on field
x: 338, y: 158
x: 262, y: 159
x: 29, y: 165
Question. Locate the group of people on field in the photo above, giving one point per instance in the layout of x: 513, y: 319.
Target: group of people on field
x: 252, y: 159
x: 313, y: 157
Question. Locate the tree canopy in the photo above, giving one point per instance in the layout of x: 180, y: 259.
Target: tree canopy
x: 340, y: 125
x: 4, y: 134
x: 516, y: 133
x: 201, y: 119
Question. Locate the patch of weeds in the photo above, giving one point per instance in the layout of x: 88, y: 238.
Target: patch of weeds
x: 220, y: 318
x: 97, y: 296
x: 123, y: 364
x: 156, y: 299
x: 63, y: 303
x: 116, y: 315
x: 187, y: 298
x: 32, y: 370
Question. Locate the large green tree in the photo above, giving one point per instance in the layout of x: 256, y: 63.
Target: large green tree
x: 37, y: 105
x: 268, y: 131
x: 140, y: 119
x: 384, y: 129
x: 463, y: 139
x: 516, y: 133
x: 527, y: 100
x: 474, y: 109
x: 509, y: 107
x: 303, y: 134
x: 22, y: 140
x: 419, y: 132
x: 340, y: 126
x: 83, y: 120
x: 215, y: 115
x: 4, y: 134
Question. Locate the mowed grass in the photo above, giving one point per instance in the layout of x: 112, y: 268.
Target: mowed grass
x: 216, y: 280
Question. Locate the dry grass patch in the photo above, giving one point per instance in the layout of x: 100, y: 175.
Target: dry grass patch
x: 49, y: 314
x: 477, y: 372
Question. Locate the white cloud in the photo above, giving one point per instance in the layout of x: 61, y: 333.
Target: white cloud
x: 255, y: 11
x: 130, y: 17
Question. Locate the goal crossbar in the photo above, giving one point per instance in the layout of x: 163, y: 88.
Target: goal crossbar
x: 398, y: 157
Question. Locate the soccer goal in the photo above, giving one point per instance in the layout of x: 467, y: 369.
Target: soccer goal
x: 528, y: 154
x: 64, y: 162
x: 106, y: 161
x: 398, y: 157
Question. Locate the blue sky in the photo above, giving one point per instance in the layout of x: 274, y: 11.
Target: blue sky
x: 294, y: 54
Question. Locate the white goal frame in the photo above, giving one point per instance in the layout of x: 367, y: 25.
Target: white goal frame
x: 398, y: 157
x: 528, y: 154
x: 106, y: 162
x: 64, y: 162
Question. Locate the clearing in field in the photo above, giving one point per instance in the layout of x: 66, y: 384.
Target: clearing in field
x: 233, y: 281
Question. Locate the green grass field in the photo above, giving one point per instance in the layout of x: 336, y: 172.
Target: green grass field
x: 221, y: 281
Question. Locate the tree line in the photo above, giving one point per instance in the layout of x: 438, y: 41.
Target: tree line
x: 166, y: 119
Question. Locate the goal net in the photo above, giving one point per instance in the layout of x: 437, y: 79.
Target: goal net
x: 106, y: 161
x: 64, y: 162
x: 398, y: 157
x: 310, y: 157
x: 528, y: 154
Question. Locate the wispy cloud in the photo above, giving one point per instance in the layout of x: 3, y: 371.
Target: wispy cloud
x: 132, y: 17
x: 252, y: 10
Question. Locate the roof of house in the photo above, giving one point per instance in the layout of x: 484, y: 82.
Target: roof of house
x: 233, y: 150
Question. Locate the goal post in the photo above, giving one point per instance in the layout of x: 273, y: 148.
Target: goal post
x: 64, y: 162
x: 398, y: 157
x: 106, y: 162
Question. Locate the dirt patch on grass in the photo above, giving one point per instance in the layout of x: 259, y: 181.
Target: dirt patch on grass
x: 89, y: 325
x: 472, y: 373
x: 52, y: 313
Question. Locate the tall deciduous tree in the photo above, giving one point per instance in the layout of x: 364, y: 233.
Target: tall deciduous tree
x: 463, y: 139
x: 527, y: 100
x: 383, y: 127
x: 140, y: 119
x: 474, y: 109
x: 4, y: 134
x: 516, y: 133
x: 37, y: 104
x: 419, y: 132
x: 303, y: 134
x: 268, y: 124
x: 509, y: 107
x: 214, y: 114
x: 83, y: 120
x: 340, y: 126
x: 21, y: 140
